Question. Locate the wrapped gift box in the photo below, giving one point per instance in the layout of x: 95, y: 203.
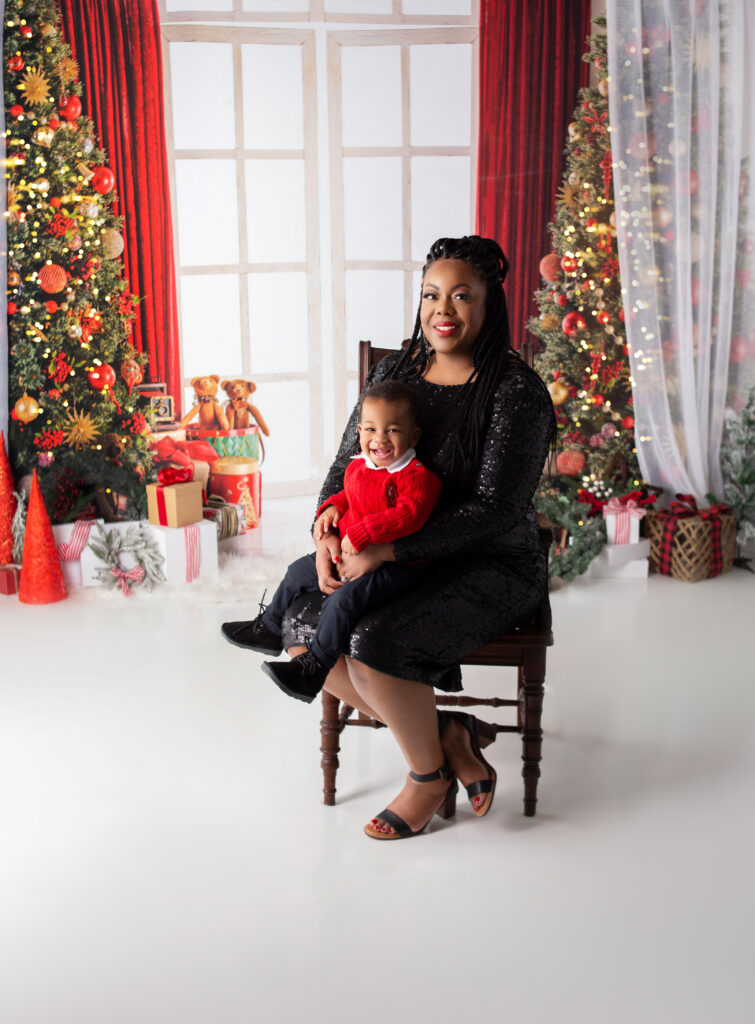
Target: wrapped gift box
x: 620, y: 554
x: 238, y: 481
x: 605, y: 566
x: 70, y: 540
x: 175, y: 505
x: 691, y: 544
x: 229, y: 519
x: 10, y: 576
x: 622, y: 518
x: 189, y: 552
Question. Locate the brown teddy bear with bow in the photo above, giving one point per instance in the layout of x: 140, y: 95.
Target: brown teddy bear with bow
x: 211, y: 415
x: 241, y: 413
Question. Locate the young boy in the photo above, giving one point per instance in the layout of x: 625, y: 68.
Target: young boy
x: 387, y: 494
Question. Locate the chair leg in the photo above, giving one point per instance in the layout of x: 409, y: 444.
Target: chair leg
x: 531, y: 704
x: 330, y: 732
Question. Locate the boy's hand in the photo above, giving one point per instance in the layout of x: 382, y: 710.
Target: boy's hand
x: 347, y: 547
x: 327, y: 519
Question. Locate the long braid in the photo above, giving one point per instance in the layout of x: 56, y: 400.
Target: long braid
x: 491, y: 353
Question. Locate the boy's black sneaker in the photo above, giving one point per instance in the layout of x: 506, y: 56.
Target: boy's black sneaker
x: 254, y: 636
x: 302, y: 677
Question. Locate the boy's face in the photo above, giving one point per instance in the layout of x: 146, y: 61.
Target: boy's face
x: 386, y: 431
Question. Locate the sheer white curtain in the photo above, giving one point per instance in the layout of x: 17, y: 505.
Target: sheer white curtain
x: 682, y: 104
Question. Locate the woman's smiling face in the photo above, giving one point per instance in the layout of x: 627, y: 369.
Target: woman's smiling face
x: 453, y: 307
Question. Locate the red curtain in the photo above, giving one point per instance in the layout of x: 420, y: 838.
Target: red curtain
x: 117, y: 46
x: 531, y: 69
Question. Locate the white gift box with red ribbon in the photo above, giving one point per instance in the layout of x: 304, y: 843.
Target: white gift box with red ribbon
x: 189, y: 552
x: 622, y: 520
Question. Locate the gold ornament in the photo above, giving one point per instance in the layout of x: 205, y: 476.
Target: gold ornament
x: 13, y: 203
x: 48, y: 30
x: 112, y: 243
x: 550, y: 321
x: 43, y: 135
x: 41, y: 185
x: 573, y: 131
x: 603, y: 87
x: 26, y: 408
x: 14, y: 278
x: 36, y: 86
x: 68, y: 69
x: 558, y: 392
x: 567, y: 196
x: 82, y: 430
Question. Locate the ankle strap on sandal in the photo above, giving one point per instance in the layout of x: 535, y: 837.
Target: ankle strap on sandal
x: 444, y: 772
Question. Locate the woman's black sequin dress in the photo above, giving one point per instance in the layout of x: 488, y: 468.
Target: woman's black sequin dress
x: 490, y: 569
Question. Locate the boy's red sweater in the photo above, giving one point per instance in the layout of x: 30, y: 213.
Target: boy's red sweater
x: 377, y: 507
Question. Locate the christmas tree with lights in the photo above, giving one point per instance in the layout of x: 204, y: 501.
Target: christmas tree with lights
x: 72, y: 369
x: 583, y: 354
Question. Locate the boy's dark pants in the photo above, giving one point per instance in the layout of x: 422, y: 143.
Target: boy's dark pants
x: 342, y: 610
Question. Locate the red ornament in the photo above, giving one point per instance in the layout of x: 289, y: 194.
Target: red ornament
x: 570, y: 462
x: 52, y: 278
x: 12, y: 308
x: 621, y: 315
x: 573, y: 323
x: 56, y: 203
x: 597, y: 399
x: 102, y: 377
x: 602, y: 316
x: 69, y: 107
x: 550, y: 267
x: 103, y: 180
x: 53, y: 122
x: 16, y: 63
x: 51, y: 306
x: 25, y: 31
x: 132, y: 373
x: 569, y: 264
x: 628, y: 422
x: 16, y: 110
x: 561, y: 300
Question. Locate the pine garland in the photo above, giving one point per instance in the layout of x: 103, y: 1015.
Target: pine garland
x: 584, y: 535
x: 136, y: 540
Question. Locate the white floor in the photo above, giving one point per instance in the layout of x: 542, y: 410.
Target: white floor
x: 165, y: 856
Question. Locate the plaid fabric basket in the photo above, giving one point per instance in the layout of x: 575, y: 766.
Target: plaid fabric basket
x: 691, y: 544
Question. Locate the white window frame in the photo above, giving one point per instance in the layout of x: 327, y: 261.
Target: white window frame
x: 237, y: 37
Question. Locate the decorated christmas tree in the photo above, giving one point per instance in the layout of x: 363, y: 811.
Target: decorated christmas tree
x: 583, y: 355
x: 72, y: 368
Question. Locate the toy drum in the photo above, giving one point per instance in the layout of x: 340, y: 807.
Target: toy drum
x: 244, y: 443
x: 237, y: 480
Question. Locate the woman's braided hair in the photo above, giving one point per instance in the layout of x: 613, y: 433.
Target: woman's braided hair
x: 491, y: 352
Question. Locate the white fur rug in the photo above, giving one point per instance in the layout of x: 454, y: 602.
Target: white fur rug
x: 241, y: 578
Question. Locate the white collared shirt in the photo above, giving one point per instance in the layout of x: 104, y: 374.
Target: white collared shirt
x: 394, y: 467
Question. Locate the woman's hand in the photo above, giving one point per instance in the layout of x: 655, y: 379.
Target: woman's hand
x: 371, y: 558
x: 327, y: 519
x: 327, y: 554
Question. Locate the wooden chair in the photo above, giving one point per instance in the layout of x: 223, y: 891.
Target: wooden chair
x: 523, y: 649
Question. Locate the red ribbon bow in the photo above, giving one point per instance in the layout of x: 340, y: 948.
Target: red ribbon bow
x: 126, y: 577
x: 685, y: 507
x: 170, y: 475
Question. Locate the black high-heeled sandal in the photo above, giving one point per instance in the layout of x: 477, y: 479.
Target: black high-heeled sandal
x: 477, y: 730
x: 446, y: 808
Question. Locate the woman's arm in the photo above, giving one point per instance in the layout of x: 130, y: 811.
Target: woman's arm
x: 513, y: 454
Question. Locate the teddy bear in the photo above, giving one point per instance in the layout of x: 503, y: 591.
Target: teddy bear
x: 241, y: 413
x: 211, y: 415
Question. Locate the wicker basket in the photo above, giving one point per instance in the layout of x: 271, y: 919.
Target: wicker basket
x: 691, y: 550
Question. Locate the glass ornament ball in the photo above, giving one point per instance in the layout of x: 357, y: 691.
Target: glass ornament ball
x: 52, y: 278
x: 558, y: 392
x: 69, y: 107
x: 102, y: 377
x: 103, y: 180
x: 573, y: 323
x: 26, y: 408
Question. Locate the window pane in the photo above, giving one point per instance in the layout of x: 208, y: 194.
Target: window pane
x: 374, y: 310
x: 276, y: 6
x: 437, y: 7
x: 441, y: 104
x: 371, y: 95
x: 203, y: 112
x: 210, y: 326
x: 352, y: 394
x: 441, y: 199
x: 273, y: 113
x: 285, y: 407
x: 278, y: 324
x: 372, y: 208
x: 359, y: 6
x: 207, y: 212
x: 198, y: 5
x: 276, y: 222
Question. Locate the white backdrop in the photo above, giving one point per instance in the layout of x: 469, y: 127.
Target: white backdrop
x: 681, y: 107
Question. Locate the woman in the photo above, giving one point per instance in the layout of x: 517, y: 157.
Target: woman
x: 487, y: 427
